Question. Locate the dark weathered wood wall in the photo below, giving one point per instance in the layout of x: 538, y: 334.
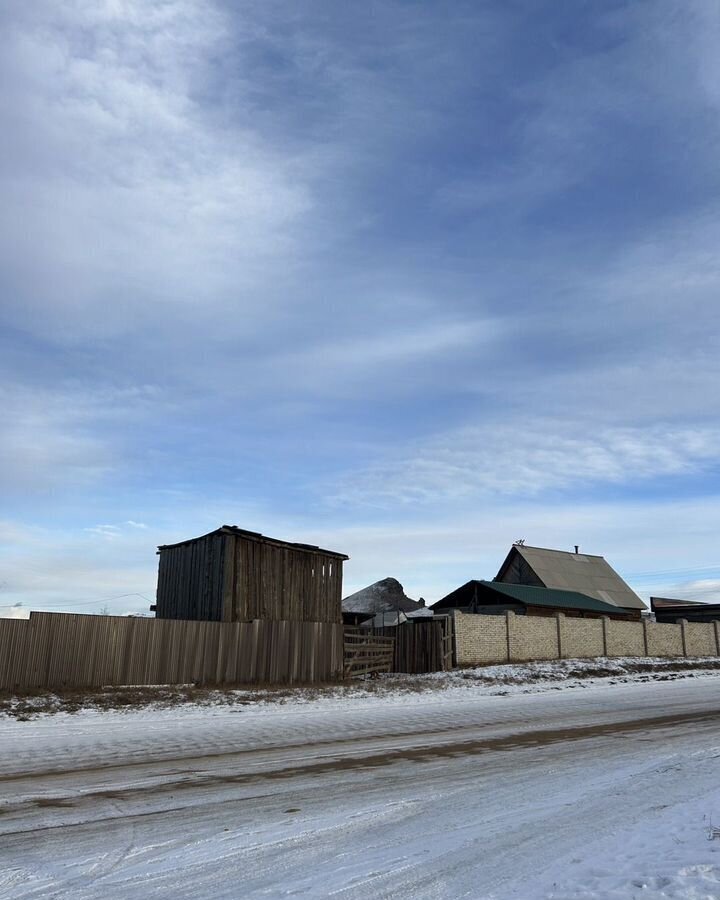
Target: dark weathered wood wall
x: 419, y: 647
x: 233, y: 578
x: 518, y: 571
x: 190, y: 580
x: 63, y: 650
x: 268, y: 581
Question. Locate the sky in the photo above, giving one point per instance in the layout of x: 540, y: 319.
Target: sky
x: 406, y: 280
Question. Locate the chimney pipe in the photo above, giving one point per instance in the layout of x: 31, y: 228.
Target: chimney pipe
x: 577, y: 548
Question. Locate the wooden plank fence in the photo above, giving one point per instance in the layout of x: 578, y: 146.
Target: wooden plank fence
x: 448, y: 641
x: 424, y: 646
x: 367, y: 653
x: 67, y: 650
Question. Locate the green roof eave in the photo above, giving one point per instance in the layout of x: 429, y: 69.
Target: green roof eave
x: 541, y: 596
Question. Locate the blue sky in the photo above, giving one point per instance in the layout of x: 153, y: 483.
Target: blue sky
x: 408, y: 280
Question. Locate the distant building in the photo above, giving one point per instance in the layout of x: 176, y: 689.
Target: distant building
x: 588, y: 575
x: 669, y: 610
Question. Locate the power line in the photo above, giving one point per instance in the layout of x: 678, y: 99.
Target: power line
x: 668, y: 573
x: 81, y: 602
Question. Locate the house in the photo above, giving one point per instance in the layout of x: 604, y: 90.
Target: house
x: 668, y: 610
x: 382, y: 603
x: 495, y: 598
x: 560, y: 570
x: 233, y: 575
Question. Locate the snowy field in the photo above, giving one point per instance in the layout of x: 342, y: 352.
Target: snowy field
x: 510, y: 782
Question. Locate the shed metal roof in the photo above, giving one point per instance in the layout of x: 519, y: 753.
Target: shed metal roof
x: 581, y: 572
x: 259, y: 538
x: 661, y: 602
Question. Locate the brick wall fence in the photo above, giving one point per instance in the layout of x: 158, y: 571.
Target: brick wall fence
x: 481, y: 640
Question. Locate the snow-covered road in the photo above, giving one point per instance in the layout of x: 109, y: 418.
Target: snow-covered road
x: 599, y: 792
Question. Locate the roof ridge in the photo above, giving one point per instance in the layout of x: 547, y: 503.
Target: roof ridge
x: 554, y: 550
x: 258, y: 537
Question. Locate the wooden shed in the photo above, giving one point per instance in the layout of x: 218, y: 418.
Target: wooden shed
x: 233, y: 575
x: 668, y: 610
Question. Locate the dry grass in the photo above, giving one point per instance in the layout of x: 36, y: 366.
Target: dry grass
x: 28, y: 704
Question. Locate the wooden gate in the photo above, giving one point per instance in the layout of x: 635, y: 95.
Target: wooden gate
x: 367, y: 653
x: 420, y: 646
x: 448, y: 643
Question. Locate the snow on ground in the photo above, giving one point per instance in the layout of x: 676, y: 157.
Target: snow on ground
x: 403, y: 689
x: 670, y: 855
x: 489, y: 786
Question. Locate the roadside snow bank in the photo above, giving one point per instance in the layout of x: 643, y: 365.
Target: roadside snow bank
x: 498, y: 680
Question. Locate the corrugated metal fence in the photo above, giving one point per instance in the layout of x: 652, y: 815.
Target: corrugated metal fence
x: 64, y: 650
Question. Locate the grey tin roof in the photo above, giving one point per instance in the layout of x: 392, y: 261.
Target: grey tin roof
x: 257, y: 538
x: 581, y: 572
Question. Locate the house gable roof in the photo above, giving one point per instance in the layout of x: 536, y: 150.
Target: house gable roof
x: 589, y: 575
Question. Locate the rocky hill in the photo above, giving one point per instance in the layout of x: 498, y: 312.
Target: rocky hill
x: 386, y: 595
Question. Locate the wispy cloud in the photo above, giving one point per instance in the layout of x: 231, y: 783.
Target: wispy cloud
x: 529, y: 459
x: 135, y: 194
x: 656, y: 545
x: 47, y: 441
x: 69, y: 435
x: 254, y: 259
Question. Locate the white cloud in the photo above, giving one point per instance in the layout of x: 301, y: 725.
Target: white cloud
x: 137, y: 196
x: 106, y: 531
x: 47, y: 440
x: 111, y: 532
x: 528, y: 458
x: 66, y: 435
x: 232, y: 210
x: 648, y: 542
x: 347, y: 363
x: 705, y: 590
x: 81, y: 570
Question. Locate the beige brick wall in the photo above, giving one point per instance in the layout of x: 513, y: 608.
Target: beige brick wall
x: 480, y: 640
x: 664, y: 640
x: 625, y: 638
x: 533, y: 637
x: 580, y: 638
x: 700, y: 639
